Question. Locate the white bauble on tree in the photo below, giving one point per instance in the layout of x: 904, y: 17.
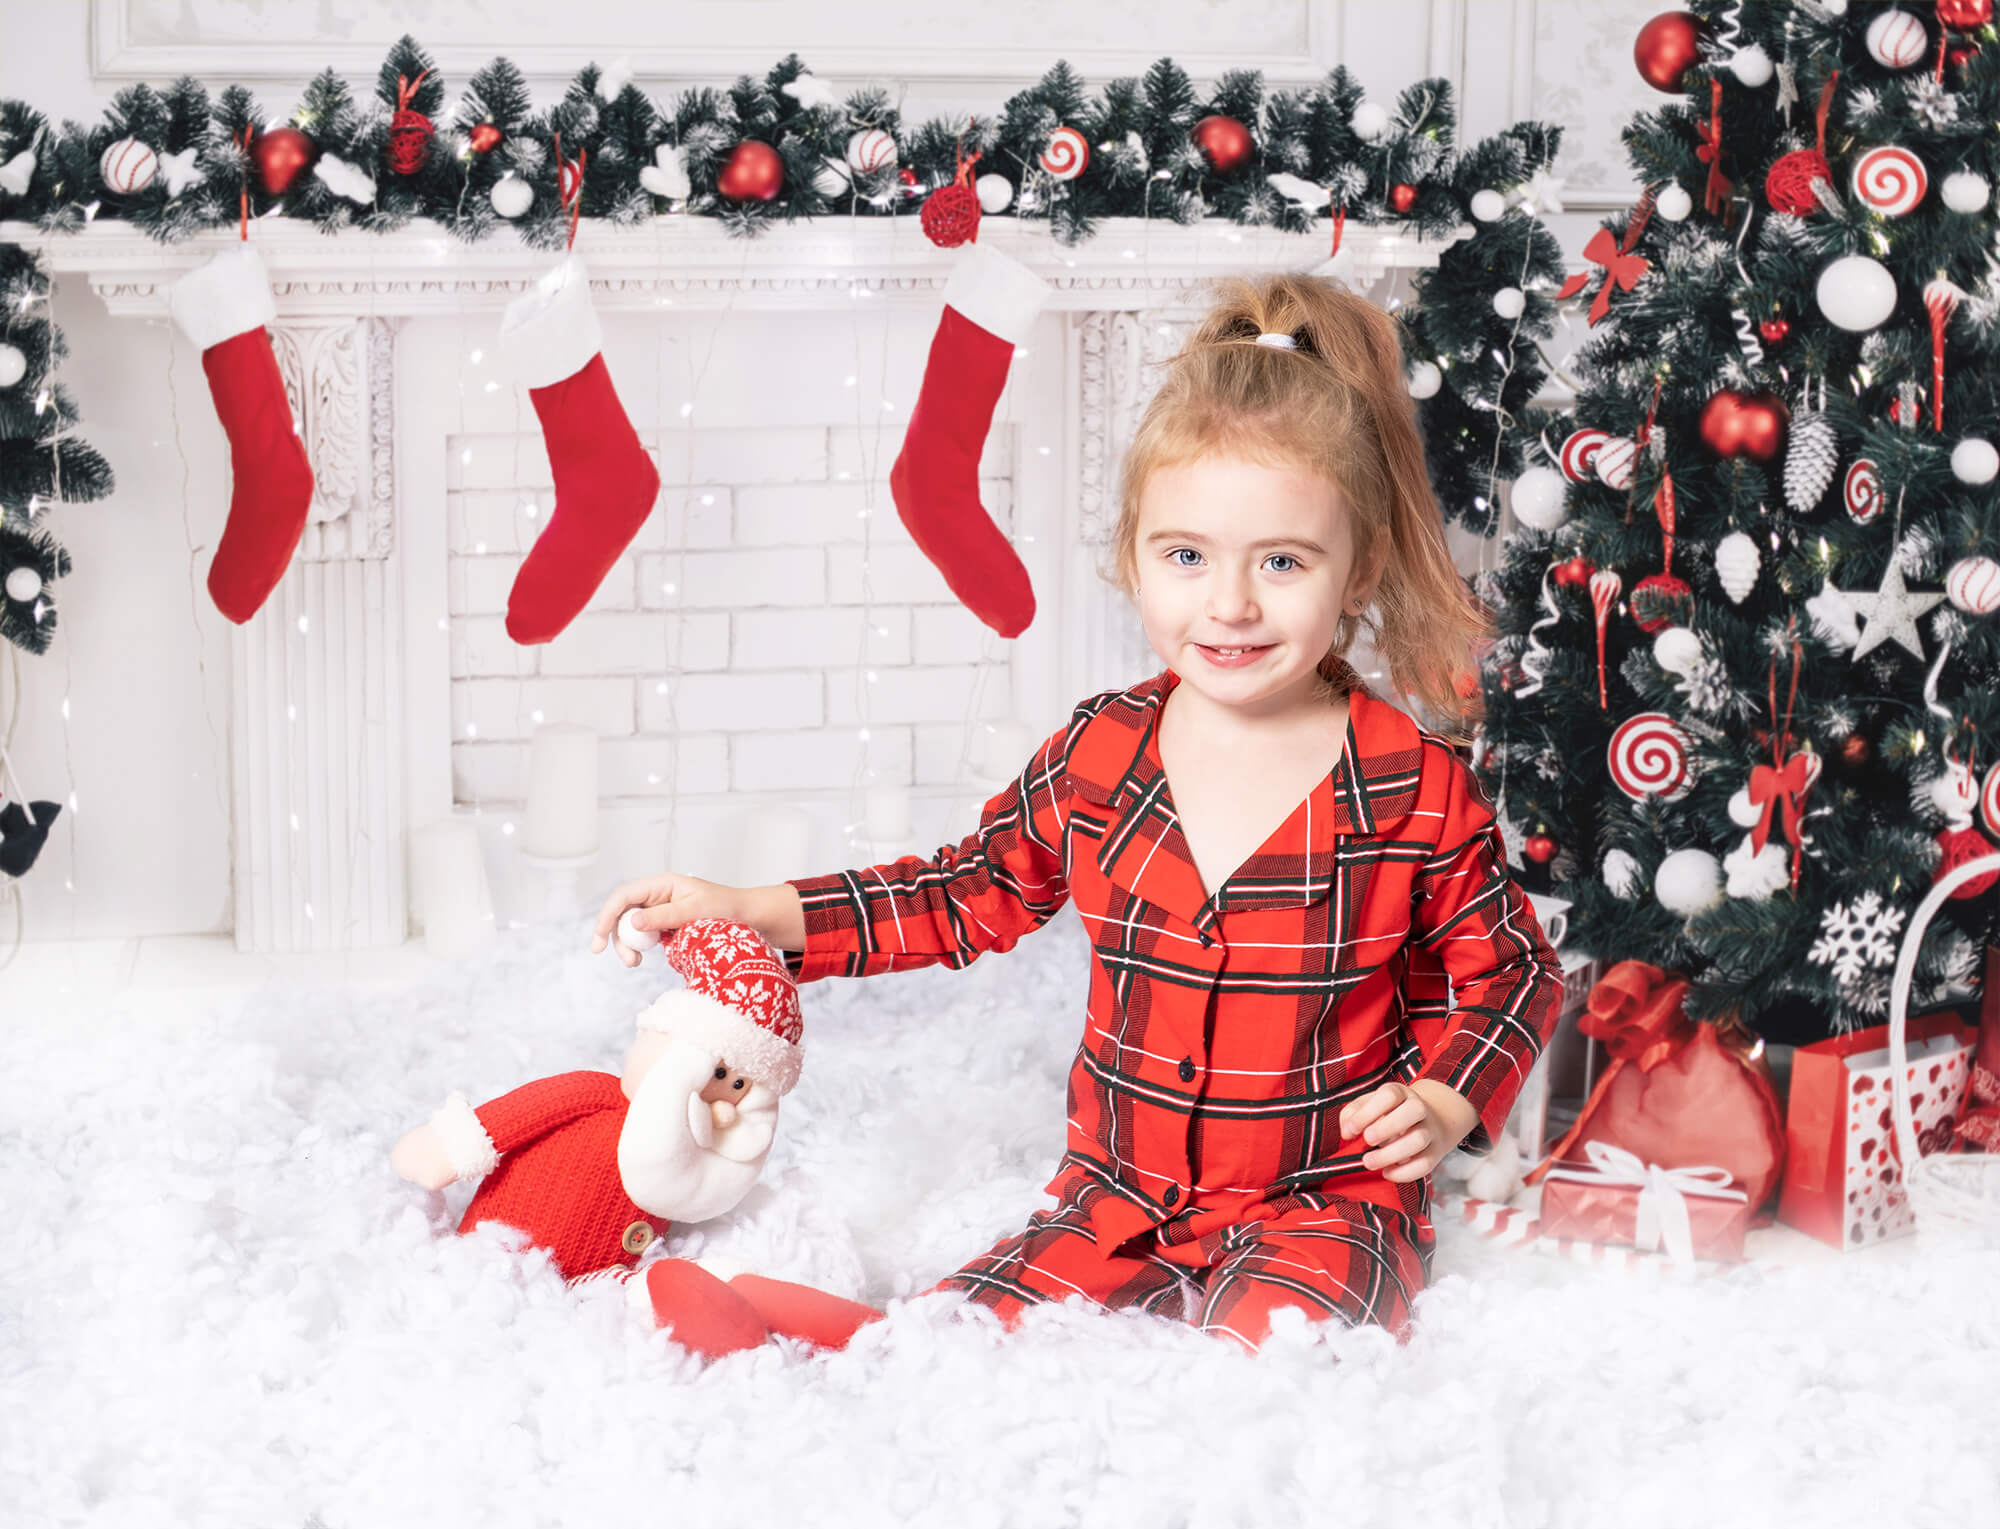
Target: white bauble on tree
x: 1539, y: 499
x: 1677, y: 650
x: 1488, y: 206
x: 1510, y: 302
x: 1736, y: 563
x: 1673, y: 203
x: 1370, y: 121
x: 1425, y: 380
x: 832, y: 178
x: 1752, y: 65
x: 871, y: 149
x: 23, y: 584
x: 1856, y: 292
x: 1965, y: 191
x: 1620, y: 873
x: 1743, y: 812
x: 1689, y: 882
x: 511, y: 196
x: 1974, y: 461
x: 995, y: 193
x: 13, y: 365
x: 1973, y: 585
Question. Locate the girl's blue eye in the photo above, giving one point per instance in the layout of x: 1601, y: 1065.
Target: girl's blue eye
x: 1179, y: 561
x: 1286, y: 558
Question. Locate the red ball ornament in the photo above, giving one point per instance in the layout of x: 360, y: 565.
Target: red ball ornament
x: 1402, y: 197
x: 410, y: 131
x: 1225, y: 141
x: 1667, y: 47
x: 1774, y: 331
x: 1660, y: 602
x: 1745, y: 425
x: 907, y: 179
x: 950, y: 215
x: 1539, y: 848
x: 485, y: 138
x: 1964, y: 15
x: 1854, y: 750
x: 1575, y: 574
x: 1958, y: 56
x: 752, y: 173
x: 1955, y: 847
x: 1789, y: 186
x: 282, y: 156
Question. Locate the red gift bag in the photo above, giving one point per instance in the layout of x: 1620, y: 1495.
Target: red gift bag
x: 1843, y: 1178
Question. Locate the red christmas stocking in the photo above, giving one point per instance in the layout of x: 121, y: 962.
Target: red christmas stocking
x: 701, y: 1312
x: 990, y: 305
x: 223, y: 307
x: 605, y: 481
x: 799, y: 1311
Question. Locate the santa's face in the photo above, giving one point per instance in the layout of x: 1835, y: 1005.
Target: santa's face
x: 677, y: 1155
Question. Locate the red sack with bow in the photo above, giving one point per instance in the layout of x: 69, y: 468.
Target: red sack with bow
x: 1677, y: 1093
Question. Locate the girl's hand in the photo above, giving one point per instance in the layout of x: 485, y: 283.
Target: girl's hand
x: 1410, y: 1127
x: 665, y: 903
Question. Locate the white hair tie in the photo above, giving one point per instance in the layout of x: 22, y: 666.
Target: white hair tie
x: 1270, y: 337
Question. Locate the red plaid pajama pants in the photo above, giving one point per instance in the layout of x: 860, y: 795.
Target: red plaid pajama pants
x: 1346, y: 1260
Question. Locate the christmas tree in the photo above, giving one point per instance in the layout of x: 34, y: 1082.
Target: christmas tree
x: 1746, y: 704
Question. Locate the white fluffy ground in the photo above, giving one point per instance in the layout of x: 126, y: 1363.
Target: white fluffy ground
x: 218, y: 1305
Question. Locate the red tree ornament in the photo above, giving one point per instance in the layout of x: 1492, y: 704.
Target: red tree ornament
x: 1667, y: 47
x: 1854, y: 751
x: 1964, y: 15
x: 753, y: 172
x: 950, y: 215
x: 1225, y: 141
x: 1662, y: 601
x: 1774, y: 331
x: 1402, y: 197
x: 282, y: 156
x: 1575, y: 574
x: 1955, y: 847
x: 485, y: 138
x: 410, y: 131
x: 1789, y: 186
x: 1745, y: 425
x: 1539, y: 848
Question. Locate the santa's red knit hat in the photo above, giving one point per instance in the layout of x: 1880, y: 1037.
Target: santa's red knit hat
x: 739, y: 1001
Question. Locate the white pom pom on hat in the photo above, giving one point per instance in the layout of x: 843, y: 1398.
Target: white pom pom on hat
x: 739, y: 1001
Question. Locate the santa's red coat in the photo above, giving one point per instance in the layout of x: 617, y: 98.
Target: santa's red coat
x: 558, y: 1179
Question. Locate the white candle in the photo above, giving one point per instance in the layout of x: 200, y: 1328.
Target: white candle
x: 562, y: 794
x: 448, y: 888
x: 888, y: 814
x: 776, y: 843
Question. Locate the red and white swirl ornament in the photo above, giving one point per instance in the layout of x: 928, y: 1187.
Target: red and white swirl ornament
x: 1989, y: 802
x: 1579, y: 453
x: 1896, y: 39
x: 1067, y: 154
x: 1649, y: 756
x: 128, y: 167
x: 1604, y: 589
x: 1941, y: 299
x: 1861, y: 491
x: 1615, y: 460
x: 1973, y: 585
x: 1891, y: 180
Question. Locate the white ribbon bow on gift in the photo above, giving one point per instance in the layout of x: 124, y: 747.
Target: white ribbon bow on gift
x: 1663, y: 1192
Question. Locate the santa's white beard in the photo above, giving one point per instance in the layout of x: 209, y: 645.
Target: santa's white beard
x: 672, y: 1159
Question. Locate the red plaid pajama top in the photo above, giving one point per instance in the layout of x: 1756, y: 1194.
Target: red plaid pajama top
x: 1375, y: 935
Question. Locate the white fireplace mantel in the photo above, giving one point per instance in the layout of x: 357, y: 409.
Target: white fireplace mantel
x: 340, y: 742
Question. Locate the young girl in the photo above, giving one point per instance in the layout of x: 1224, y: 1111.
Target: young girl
x: 1312, y: 976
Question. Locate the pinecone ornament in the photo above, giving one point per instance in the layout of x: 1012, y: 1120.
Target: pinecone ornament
x: 1811, y: 459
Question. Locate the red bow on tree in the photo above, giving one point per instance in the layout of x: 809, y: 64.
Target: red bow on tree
x: 1622, y: 269
x: 1772, y: 788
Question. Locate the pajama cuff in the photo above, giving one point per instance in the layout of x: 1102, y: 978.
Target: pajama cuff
x: 1488, y: 1074
x: 831, y: 951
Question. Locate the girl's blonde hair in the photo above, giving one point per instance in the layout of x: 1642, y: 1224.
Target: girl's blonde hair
x: 1337, y: 405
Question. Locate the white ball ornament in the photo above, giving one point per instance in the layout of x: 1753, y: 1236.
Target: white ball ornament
x: 833, y: 178
x: 1743, y: 812
x: 1370, y: 121
x: 1965, y: 191
x: 1736, y: 563
x: 1677, y: 650
x: 511, y: 196
x: 128, y: 167
x: 1510, y: 302
x: 995, y: 193
x: 634, y: 938
x: 1752, y: 66
x: 1615, y: 461
x: 1425, y: 380
x: 1896, y: 39
x: 1856, y: 293
x: 1689, y: 882
x: 1488, y: 206
x: 1974, y: 460
x: 1538, y: 499
x: 23, y: 584
x: 1973, y: 584
x: 1620, y: 873
x: 871, y: 149
x: 13, y: 365
x: 1673, y: 203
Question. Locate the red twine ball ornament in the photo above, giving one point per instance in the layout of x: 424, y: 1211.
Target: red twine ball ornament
x: 1749, y: 425
x: 1575, y: 574
x: 485, y: 138
x: 1774, y: 331
x: 1789, y: 186
x: 1666, y: 48
x: 1660, y: 602
x: 752, y: 173
x: 1854, y: 750
x: 1402, y: 197
x: 1539, y: 848
x: 282, y: 156
x: 950, y: 215
x: 1964, y: 15
x: 1955, y: 847
x: 1225, y: 141
x: 410, y: 131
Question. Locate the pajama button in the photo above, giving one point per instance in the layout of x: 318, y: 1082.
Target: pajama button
x: 1172, y: 1196
x: 1187, y: 1069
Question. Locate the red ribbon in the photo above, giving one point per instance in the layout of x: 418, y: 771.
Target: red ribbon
x: 1819, y: 116
x: 406, y: 88
x: 1339, y: 223
x: 1663, y: 507
x: 1621, y: 267
x: 1772, y: 788
x: 1715, y: 198
x: 243, y: 187
x: 574, y: 201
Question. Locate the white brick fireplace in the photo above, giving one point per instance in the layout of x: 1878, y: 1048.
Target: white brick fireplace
x: 772, y: 638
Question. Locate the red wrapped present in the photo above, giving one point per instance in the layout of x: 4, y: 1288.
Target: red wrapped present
x: 1978, y: 1128
x: 1615, y: 1197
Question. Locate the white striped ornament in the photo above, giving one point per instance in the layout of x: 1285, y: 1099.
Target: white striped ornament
x: 1615, y: 460
x: 1891, y: 180
x: 1974, y: 585
x: 870, y: 150
x: 128, y: 167
x: 1579, y: 453
x: 1896, y: 39
x: 1067, y: 154
x: 1989, y: 802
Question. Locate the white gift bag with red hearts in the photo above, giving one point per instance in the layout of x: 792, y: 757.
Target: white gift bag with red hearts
x: 1843, y: 1181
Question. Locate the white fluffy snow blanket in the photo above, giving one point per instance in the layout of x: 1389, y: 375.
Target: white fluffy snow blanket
x: 219, y: 1305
